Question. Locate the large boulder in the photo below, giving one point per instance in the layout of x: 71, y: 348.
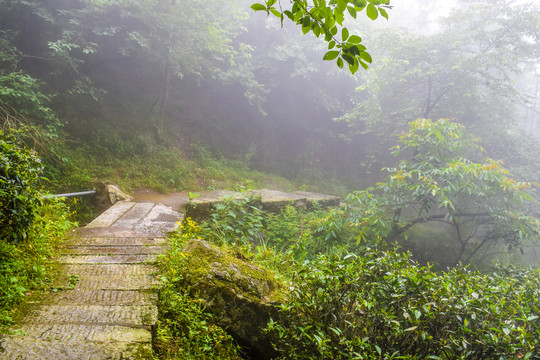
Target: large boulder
x: 242, y: 296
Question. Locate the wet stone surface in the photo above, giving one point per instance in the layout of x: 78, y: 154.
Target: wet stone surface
x: 201, y: 207
x: 104, y: 303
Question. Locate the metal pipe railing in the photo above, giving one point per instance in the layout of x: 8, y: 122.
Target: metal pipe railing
x: 74, y: 194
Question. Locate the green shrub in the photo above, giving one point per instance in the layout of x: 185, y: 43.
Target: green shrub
x: 302, y: 233
x: 20, y: 171
x: 236, y: 221
x: 381, y: 305
x: 25, y: 267
x: 184, y: 330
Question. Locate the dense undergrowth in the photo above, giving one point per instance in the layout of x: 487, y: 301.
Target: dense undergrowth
x: 349, y: 300
x: 31, y: 226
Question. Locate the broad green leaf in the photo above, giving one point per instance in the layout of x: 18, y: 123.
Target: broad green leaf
x: 316, y: 29
x: 355, y: 39
x: 366, y: 57
x: 276, y: 13
x: 348, y: 59
x: 354, y: 68
x: 341, y: 5
x: 354, y: 50
x: 372, y: 12
x: 384, y: 13
x: 364, y: 65
x: 331, y: 44
x: 269, y: 3
x: 339, y: 16
x: 331, y: 55
x: 289, y: 14
x: 360, y: 3
x: 340, y: 63
x: 344, y: 34
x: 352, y: 12
x: 258, y: 7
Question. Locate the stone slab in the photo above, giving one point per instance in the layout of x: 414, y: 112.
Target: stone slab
x: 159, y: 221
x: 322, y: 199
x: 269, y: 200
x: 97, y: 297
x: 111, y: 215
x: 134, y: 215
x: 107, y: 259
x: 119, y: 241
x: 131, y: 316
x: 84, y: 332
x: 111, y: 231
x: 116, y: 250
x: 109, y: 276
x: 27, y: 348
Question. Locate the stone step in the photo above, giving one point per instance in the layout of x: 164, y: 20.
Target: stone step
x: 108, y: 276
x: 142, y: 316
x: 115, y: 241
x: 85, y: 332
x: 112, y: 232
x: 109, y: 250
x: 159, y: 221
x: 111, y: 215
x: 97, y: 297
x: 107, y: 259
x: 27, y: 348
x: 134, y: 215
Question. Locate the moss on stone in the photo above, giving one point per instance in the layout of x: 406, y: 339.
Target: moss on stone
x: 241, y: 295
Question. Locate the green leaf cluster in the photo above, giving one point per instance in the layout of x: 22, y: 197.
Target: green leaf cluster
x: 325, y: 19
x: 25, y: 267
x: 20, y: 177
x: 382, y: 305
x: 237, y: 220
x: 478, y: 203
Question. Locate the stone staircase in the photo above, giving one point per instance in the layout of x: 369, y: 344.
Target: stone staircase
x: 104, y: 301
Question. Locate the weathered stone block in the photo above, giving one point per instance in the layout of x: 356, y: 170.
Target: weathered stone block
x: 242, y: 296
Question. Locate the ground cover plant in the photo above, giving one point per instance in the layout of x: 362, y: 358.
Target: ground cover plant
x: 30, y: 227
x: 382, y: 305
x: 184, y: 330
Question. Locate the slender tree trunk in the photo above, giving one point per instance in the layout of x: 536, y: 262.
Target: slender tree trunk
x: 164, y: 101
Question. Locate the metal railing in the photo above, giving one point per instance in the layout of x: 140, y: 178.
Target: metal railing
x: 74, y: 194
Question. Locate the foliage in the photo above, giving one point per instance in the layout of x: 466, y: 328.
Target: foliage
x: 303, y: 233
x: 184, y: 330
x: 326, y: 20
x: 25, y: 267
x: 477, y: 201
x: 235, y: 221
x: 20, y: 96
x: 382, y: 305
x: 466, y: 71
x: 20, y: 172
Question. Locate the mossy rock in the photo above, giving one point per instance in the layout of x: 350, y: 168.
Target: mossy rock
x: 242, y: 296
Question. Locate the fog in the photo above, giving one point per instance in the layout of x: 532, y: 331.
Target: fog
x: 122, y: 81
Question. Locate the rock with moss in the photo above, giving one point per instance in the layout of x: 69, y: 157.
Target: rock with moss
x: 242, y: 296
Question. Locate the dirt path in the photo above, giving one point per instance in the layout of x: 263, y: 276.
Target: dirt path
x: 105, y: 304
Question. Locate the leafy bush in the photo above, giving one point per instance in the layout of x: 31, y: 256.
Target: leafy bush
x: 303, y: 233
x: 24, y: 267
x: 381, y: 305
x: 236, y: 221
x: 185, y: 331
x: 20, y: 171
x: 477, y: 205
